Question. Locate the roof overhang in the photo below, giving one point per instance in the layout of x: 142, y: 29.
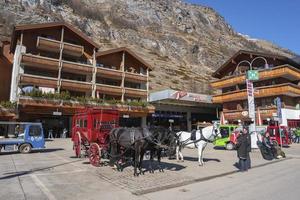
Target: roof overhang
x: 239, y: 56
x: 127, y: 50
x: 181, y: 98
x: 18, y: 29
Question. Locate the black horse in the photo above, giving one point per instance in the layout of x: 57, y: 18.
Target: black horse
x: 126, y: 141
x: 160, y: 139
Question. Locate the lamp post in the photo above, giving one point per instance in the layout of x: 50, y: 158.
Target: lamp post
x: 252, y: 75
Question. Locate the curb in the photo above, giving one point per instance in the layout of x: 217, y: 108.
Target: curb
x: 196, y: 180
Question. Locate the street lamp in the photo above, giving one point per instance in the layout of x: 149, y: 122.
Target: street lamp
x: 251, y: 76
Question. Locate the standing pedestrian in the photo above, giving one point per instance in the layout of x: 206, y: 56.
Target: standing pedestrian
x: 243, y: 149
x: 297, y: 133
x: 50, y: 133
x: 248, y: 147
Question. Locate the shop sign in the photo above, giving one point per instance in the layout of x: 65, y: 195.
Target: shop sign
x: 125, y: 116
x: 252, y: 75
x: 171, y: 120
x: 56, y: 113
x: 245, y: 113
x: 187, y: 96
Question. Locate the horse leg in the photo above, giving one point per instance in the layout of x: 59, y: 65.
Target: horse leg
x: 158, y: 160
x: 113, y: 160
x: 200, y: 155
x: 203, y: 147
x: 151, y: 170
x: 136, y: 157
x: 179, y: 155
x: 141, y: 161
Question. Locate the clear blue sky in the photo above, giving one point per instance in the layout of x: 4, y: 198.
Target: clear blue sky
x: 277, y: 21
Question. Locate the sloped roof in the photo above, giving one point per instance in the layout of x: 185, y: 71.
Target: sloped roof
x: 228, y: 65
x: 127, y: 50
x: 19, y: 28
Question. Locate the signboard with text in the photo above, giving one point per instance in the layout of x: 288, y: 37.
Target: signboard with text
x: 279, y: 114
x: 250, y: 94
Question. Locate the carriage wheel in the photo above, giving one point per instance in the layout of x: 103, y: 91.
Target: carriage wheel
x: 95, y: 154
x: 77, y: 144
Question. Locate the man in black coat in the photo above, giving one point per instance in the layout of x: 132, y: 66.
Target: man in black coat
x: 243, y: 149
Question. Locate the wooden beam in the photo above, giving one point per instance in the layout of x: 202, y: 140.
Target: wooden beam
x: 122, y: 67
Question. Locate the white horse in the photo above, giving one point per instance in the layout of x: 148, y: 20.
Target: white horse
x: 200, y: 140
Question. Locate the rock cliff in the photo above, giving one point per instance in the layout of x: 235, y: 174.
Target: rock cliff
x: 184, y: 43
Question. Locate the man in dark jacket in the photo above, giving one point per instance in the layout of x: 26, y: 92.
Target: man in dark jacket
x: 249, y: 149
x: 243, y: 149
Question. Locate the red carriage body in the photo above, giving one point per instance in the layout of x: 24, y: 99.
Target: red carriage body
x: 90, y: 131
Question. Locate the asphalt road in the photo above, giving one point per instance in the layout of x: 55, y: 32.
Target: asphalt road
x: 276, y: 181
x: 55, y: 174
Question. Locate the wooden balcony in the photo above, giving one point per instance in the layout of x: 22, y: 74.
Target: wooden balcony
x: 109, y: 89
x: 109, y: 73
x: 47, y: 44
x: 39, y: 62
x: 265, y: 112
x: 285, y: 71
x: 76, y: 85
x: 38, y: 81
x: 73, y: 49
x: 77, y: 68
x: 51, y: 45
x: 135, y: 78
x: 131, y: 92
x: 287, y: 89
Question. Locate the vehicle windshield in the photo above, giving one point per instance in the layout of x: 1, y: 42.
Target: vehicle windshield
x: 12, y: 130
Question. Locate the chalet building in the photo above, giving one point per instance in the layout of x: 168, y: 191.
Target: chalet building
x: 278, y: 77
x: 59, y: 59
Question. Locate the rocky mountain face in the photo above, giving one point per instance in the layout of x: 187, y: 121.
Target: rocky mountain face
x: 184, y: 43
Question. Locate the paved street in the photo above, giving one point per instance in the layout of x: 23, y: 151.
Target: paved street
x: 56, y: 174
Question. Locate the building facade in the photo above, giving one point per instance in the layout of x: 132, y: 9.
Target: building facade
x: 180, y: 110
x: 59, y: 60
x: 278, y: 77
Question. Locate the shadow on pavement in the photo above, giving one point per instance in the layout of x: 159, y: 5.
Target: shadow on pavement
x: 204, y: 159
x: 219, y: 148
x: 33, y: 151
x: 22, y: 173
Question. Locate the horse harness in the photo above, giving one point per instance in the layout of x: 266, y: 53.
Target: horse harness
x: 185, y: 143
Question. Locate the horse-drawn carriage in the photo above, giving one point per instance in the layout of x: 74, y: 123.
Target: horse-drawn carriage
x: 90, y: 132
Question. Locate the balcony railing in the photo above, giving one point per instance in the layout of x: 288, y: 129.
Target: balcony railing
x: 136, y: 78
x: 51, y: 45
x: 287, y: 89
x: 265, y: 112
x: 77, y: 68
x: 285, y: 71
x: 38, y: 80
x: 131, y: 92
x: 39, y: 62
x: 73, y: 49
x: 76, y: 85
x: 47, y: 44
x: 109, y: 73
x: 109, y: 89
